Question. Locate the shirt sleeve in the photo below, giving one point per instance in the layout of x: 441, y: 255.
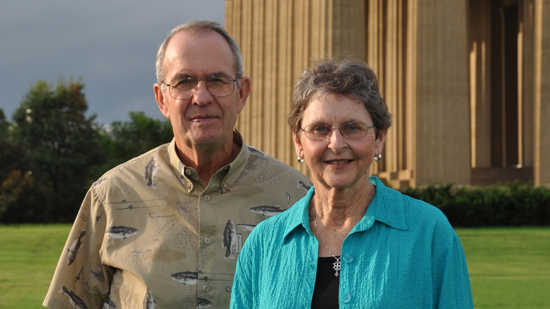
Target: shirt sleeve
x: 80, y: 277
x: 452, y: 282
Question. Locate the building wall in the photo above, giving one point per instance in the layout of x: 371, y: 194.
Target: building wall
x: 278, y: 40
x: 433, y: 61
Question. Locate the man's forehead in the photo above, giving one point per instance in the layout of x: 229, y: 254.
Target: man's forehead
x: 197, y: 50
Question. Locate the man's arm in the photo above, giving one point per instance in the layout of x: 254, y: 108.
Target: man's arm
x: 80, y: 278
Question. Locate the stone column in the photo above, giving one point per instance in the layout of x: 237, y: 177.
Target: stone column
x: 442, y: 135
x: 542, y: 93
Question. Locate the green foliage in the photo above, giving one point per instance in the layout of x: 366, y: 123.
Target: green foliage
x: 122, y: 141
x: 4, y: 125
x: 23, y: 197
x: 61, y: 142
x: 52, y: 152
x: 514, y: 204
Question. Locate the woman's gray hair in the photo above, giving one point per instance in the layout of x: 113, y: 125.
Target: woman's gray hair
x: 351, y: 78
x: 195, y: 27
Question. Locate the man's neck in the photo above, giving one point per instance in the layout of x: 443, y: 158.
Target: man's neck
x: 207, y: 160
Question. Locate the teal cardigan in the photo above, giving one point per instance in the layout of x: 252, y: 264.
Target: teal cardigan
x: 402, y: 254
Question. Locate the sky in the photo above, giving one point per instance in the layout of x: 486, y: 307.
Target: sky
x: 110, y: 45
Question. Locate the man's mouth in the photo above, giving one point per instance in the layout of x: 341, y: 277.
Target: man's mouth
x: 202, y: 118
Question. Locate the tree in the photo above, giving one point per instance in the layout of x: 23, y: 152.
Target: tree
x: 122, y: 141
x: 23, y: 197
x: 60, y: 140
x: 4, y: 125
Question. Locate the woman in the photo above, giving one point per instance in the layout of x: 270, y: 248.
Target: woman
x: 351, y: 241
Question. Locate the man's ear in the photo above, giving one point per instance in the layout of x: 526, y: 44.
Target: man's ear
x: 244, y: 92
x: 161, y: 100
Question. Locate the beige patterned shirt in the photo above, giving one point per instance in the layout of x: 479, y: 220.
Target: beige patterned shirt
x: 151, y: 234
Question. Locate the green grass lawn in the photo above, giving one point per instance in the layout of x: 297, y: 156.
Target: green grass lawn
x: 28, y: 256
x: 509, y: 267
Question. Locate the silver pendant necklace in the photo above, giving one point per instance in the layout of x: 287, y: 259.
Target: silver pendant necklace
x: 336, y: 265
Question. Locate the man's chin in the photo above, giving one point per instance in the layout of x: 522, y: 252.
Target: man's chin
x: 209, y: 138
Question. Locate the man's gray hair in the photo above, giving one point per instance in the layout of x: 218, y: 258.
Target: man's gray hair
x: 195, y: 27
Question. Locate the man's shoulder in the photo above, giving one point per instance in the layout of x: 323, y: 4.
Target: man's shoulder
x: 159, y: 153
x: 267, y: 160
x: 153, y: 160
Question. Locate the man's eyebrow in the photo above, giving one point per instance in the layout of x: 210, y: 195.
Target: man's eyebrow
x: 218, y: 74
x: 182, y: 75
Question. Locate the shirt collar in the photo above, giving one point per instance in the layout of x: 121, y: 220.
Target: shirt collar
x: 186, y: 174
x: 299, y: 214
x: 386, y: 207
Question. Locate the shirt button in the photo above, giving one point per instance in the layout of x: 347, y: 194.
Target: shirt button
x: 348, y: 258
x: 187, y: 172
x: 206, y: 288
x: 207, y: 198
x: 188, y: 185
x: 346, y: 298
x: 225, y: 186
x: 207, y: 240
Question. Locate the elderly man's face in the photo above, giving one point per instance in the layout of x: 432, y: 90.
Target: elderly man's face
x: 202, y: 119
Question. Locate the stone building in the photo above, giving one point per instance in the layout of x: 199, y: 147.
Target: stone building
x: 467, y: 81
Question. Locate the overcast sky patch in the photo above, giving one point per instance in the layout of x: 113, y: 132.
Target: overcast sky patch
x: 111, y: 45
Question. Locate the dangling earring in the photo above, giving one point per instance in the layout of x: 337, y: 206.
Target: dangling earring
x: 300, y: 160
x: 379, y: 157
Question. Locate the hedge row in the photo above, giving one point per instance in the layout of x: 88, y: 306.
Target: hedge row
x: 514, y: 204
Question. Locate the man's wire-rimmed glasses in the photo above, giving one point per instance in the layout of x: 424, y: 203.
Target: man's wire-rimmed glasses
x: 184, y: 87
x: 350, y: 130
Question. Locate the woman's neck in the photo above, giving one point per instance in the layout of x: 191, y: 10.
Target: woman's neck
x: 336, y: 207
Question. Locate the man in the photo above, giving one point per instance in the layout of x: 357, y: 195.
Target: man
x: 165, y: 228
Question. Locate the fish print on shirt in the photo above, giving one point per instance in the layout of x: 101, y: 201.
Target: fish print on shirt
x: 98, y: 275
x: 151, y: 170
x: 304, y: 186
x: 229, y: 239
x: 120, y: 232
x: 203, y: 303
x: 75, y: 301
x: 186, y: 277
x: 108, y: 304
x: 246, y: 227
x: 148, y: 301
x: 267, y: 211
x: 73, y: 249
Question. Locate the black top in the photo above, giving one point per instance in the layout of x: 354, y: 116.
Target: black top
x: 325, y: 294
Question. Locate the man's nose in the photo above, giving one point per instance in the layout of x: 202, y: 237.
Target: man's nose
x: 201, y: 94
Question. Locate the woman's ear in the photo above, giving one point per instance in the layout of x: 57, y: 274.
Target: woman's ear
x: 298, y: 145
x: 379, y: 142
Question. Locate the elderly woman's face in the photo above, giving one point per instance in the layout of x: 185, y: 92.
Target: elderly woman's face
x: 337, y: 161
